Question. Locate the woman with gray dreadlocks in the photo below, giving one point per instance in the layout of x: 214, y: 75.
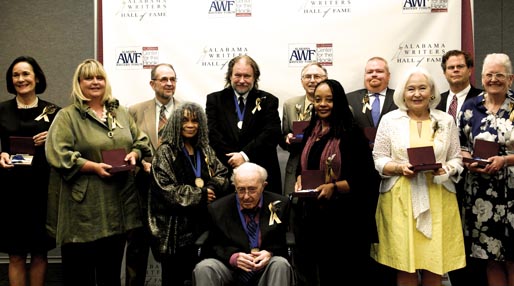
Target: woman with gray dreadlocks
x: 186, y: 176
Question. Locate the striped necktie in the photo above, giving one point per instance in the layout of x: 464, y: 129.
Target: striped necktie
x: 162, y: 120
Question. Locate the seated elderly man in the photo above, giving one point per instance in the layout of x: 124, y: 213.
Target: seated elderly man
x: 247, y: 235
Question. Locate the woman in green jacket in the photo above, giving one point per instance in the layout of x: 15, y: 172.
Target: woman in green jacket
x: 91, y: 206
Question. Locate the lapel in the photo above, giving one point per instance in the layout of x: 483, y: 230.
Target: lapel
x: 367, y: 112
x: 444, y: 97
x: 292, y: 111
x: 388, y: 102
x: 228, y: 110
x: 149, y: 114
x: 250, y: 105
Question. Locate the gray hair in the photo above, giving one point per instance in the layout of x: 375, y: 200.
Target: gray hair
x: 249, y: 167
x: 173, y: 131
x: 498, y: 58
x: 398, y: 96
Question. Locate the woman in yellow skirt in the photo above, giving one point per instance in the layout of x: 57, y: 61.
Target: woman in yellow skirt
x: 418, y: 219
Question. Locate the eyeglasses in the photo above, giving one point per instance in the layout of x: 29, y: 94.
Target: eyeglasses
x: 250, y: 191
x: 164, y: 80
x: 457, y: 67
x: 498, y: 76
x: 315, y: 76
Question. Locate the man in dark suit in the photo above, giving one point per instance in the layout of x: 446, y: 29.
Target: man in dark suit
x: 458, y: 67
x: 376, y: 82
x: 163, y: 81
x: 244, y: 124
x: 247, y: 235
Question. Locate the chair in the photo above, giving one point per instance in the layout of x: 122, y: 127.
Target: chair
x: 290, y: 242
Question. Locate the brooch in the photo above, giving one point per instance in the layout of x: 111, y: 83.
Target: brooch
x: 49, y: 109
x: 257, y: 105
x: 273, y: 208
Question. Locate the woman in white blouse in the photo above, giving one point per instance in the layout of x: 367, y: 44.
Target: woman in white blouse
x: 418, y: 220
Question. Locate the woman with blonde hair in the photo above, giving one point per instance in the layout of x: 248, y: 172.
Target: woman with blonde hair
x: 90, y: 206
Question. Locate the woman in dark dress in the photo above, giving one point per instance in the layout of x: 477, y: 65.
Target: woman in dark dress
x: 338, y: 223
x: 24, y: 187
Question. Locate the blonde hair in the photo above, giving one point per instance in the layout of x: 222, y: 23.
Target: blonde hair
x: 87, y: 69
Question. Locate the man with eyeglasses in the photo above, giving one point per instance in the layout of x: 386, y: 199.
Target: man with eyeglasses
x: 244, y: 123
x: 247, y: 235
x: 458, y: 67
x: 298, y: 108
x: 368, y: 105
x: 150, y: 116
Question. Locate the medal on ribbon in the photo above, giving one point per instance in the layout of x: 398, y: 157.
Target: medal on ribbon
x: 197, y: 168
x: 240, y: 113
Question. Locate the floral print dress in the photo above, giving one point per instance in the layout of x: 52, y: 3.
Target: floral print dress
x: 489, y: 199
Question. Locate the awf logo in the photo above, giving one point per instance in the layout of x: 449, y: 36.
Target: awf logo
x: 238, y: 8
x: 302, y: 54
x: 424, y: 6
x: 137, y: 57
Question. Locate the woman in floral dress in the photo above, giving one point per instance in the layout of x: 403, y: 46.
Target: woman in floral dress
x: 489, y: 198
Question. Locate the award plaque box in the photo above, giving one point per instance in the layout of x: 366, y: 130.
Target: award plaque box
x: 311, y: 179
x: 298, y: 127
x: 483, y: 150
x: 422, y: 158
x: 22, y: 150
x: 115, y: 158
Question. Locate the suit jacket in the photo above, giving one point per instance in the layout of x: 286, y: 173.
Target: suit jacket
x: 365, y: 119
x: 144, y: 113
x: 258, y: 138
x: 227, y: 234
x: 473, y: 91
x: 459, y: 186
x: 290, y: 114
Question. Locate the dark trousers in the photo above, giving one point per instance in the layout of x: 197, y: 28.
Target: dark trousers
x: 96, y: 263
x: 177, y: 269
x: 136, y: 259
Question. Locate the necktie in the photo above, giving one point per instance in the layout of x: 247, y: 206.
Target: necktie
x: 452, y: 109
x: 241, y: 103
x: 375, y: 109
x: 307, y: 114
x: 251, y: 226
x: 162, y: 120
x: 251, y: 229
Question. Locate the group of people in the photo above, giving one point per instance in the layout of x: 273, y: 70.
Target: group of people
x: 185, y: 171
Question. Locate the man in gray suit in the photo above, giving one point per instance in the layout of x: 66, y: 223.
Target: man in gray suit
x: 147, y: 116
x: 376, y: 86
x: 298, y: 108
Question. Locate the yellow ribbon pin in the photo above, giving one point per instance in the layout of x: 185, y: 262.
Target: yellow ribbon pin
x: 273, y: 209
x: 257, y: 105
x: 49, y: 109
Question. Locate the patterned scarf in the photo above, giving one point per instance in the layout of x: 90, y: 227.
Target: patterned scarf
x: 331, y: 148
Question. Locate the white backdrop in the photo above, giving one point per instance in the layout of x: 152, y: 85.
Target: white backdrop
x: 199, y: 37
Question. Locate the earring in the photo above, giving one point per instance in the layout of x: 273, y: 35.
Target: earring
x: 432, y: 97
